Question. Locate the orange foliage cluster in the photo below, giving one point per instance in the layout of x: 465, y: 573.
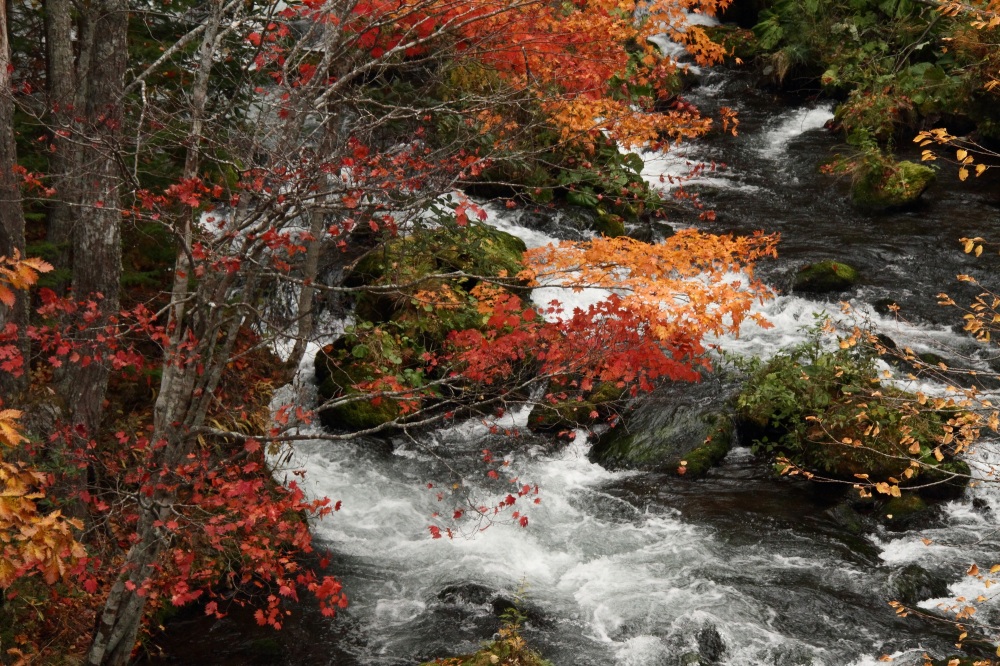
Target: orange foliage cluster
x: 664, y: 300
x: 690, y: 282
x: 569, y: 54
x: 30, y: 541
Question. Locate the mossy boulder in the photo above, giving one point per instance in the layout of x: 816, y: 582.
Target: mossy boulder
x: 685, y: 435
x: 479, y: 250
x: 908, y: 511
x: 609, y: 224
x: 408, y: 313
x: 828, y: 413
x: 564, y: 412
x: 947, y: 480
x: 913, y: 584
x: 358, y: 358
x: 892, y: 188
x: 825, y: 276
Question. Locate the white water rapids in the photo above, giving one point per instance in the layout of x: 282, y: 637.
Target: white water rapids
x: 621, y: 568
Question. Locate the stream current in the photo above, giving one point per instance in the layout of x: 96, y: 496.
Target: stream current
x: 639, y: 569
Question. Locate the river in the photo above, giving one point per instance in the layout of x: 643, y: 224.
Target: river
x: 638, y: 569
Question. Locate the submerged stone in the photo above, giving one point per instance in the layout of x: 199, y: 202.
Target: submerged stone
x: 913, y: 584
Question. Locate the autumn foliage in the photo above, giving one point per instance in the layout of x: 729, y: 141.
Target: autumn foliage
x: 33, y: 541
x: 662, y: 301
x: 252, y: 143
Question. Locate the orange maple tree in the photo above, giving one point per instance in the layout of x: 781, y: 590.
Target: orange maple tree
x: 662, y: 301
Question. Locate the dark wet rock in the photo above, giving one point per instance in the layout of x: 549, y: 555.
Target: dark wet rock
x: 711, y: 647
x: 467, y: 593
x: 500, y: 604
x: 684, y: 432
x: 913, y: 584
x: 885, y: 306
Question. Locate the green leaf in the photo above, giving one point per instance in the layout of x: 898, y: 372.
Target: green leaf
x: 634, y: 162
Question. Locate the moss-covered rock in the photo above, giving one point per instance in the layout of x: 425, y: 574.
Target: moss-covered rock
x: 946, y: 480
x: 906, y: 511
x: 508, y: 649
x: 825, y: 276
x: 358, y: 358
x: 913, y: 584
x: 896, y: 187
x: 406, y: 314
x: 609, y: 224
x: 476, y: 249
x: 828, y: 413
x: 582, y: 410
x: 681, y: 434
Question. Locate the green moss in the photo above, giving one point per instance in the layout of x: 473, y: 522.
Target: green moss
x: 948, y: 479
x: 411, y: 315
x: 829, y: 413
x: 361, y: 415
x: 583, y: 410
x: 905, y: 506
x: 362, y: 355
x: 564, y: 415
x: 509, y: 648
x: 609, y: 224
x: 701, y: 459
x: 672, y: 439
x: 825, y: 276
x: 265, y: 650
x: 893, y: 187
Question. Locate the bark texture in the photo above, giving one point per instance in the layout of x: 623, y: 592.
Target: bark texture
x: 11, y: 215
x: 97, y: 225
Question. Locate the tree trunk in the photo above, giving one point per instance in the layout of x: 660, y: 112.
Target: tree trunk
x: 11, y: 214
x: 61, y: 85
x: 177, y: 406
x: 97, y: 228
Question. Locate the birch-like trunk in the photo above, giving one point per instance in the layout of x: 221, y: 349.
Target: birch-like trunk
x: 183, y: 397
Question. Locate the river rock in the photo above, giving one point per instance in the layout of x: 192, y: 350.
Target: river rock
x: 905, y: 184
x: 685, y: 432
x: 582, y: 410
x: 609, y: 224
x: 396, y: 327
x: 711, y: 647
x: 825, y: 276
x: 913, y: 584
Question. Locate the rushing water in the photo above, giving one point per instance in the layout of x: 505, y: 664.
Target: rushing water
x: 621, y: 568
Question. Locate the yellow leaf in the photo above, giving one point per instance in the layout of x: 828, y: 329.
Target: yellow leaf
x: 961, y: 154
x: 979, y: 250
x: 980, y: 168
x: 973, y: 570
x: 963, y: 174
